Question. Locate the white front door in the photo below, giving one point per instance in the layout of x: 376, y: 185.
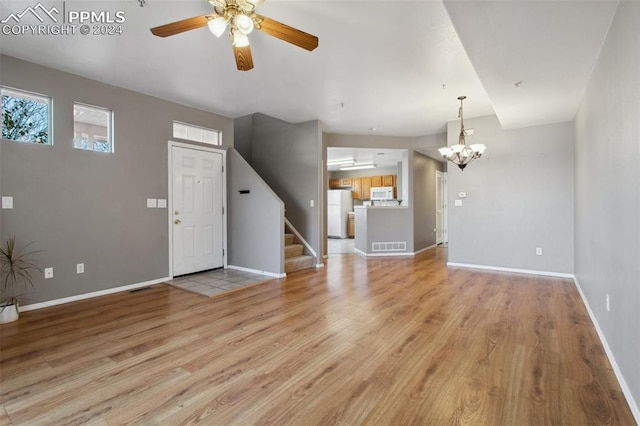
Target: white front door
x: 197, y: 210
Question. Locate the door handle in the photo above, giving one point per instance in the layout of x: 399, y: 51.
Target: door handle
x: 177, y: 221
x: 176, y: 212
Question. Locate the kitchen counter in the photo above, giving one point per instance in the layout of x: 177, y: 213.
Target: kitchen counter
x: 383, y: 230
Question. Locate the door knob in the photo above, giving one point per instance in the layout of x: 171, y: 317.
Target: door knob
x: 177, y: 221
x: 176, y: 212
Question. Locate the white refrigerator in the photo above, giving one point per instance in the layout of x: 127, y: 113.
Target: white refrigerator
x: 339, y: 203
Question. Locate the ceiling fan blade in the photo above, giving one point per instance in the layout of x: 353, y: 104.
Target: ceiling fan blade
x: 287, y: 33
x: 180, y: 26
x: 244, y: 60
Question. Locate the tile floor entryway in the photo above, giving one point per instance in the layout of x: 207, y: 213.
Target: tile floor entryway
x: 340, y: 245
x: 217, y: 281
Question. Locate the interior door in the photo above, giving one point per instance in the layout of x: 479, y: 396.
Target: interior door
x: 440, y: 208
x: 197, y: 210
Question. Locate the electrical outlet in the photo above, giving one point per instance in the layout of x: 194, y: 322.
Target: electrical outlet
x: 80, y: 268
x: 538, y: 251
x: 608, y: 303
x: 48, y: 273
x: 7, y: 202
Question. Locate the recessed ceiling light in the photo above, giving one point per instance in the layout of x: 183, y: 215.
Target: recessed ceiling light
x: 359, y: 167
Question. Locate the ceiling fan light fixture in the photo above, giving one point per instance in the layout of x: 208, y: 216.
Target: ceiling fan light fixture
x: 217, y: 26
x: 244, y: 23
x: 240, y: 39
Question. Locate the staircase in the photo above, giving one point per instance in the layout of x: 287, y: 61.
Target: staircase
x: 294, y: 257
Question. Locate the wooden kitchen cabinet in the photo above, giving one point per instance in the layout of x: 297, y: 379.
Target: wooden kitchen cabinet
x: 351, y: 225
x: 365, y: 190
x: 346, y: 182
x: 356, y: 187
x: 361, y: 186
x: 340, y: 183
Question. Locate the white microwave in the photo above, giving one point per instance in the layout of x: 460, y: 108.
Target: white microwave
x: 382, y: 193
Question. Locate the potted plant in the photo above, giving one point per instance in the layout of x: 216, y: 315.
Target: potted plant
x: 16, y: 266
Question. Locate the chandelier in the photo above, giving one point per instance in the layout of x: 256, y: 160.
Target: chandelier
x: 461, y: 154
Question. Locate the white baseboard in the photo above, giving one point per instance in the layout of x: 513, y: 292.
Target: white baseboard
x: 256, y: 271
x: 514, y: 270
x: 360, y: 252
x: 391, y: 254
x: 91, y: 295
x: 319, y: 265
x: 623, y: 384
x: 425, y: 249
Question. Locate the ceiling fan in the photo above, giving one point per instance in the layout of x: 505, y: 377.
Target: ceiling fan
x: 240, y: 17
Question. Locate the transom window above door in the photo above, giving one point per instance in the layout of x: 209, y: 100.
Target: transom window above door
x: 195, y: 133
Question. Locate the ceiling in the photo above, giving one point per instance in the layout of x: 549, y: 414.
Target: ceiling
x: 393, y: 66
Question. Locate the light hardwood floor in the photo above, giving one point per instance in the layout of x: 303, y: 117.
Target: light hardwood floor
x: 382, y: 341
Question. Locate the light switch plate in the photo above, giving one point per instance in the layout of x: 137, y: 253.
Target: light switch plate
x: 457, y: 203
x: 162, y: 203
x: 48, y: 273
x: 151, y: 203
x: 311, y: 203
x: 7, y: 202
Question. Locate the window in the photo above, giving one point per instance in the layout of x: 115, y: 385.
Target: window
x: 26, y: 117
x: 92, y: 128
x: 196, y: 133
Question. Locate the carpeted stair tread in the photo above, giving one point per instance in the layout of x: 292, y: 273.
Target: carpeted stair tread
x: 288, y: 239
x: 298, y: 262
x: 292, y: 250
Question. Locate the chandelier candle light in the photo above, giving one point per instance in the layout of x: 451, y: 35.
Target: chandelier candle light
x: 461, y: 154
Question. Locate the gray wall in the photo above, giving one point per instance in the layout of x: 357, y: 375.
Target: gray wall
x: 288, y: 157
x: 424, y: 200
x: 519, y: 197
x: 80, y: 206
x: 242, y: 134
x: 254, y: 241
x: 607, y: 192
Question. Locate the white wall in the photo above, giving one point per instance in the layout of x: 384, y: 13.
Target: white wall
x: 519, y: 197
x: 607, y: 194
